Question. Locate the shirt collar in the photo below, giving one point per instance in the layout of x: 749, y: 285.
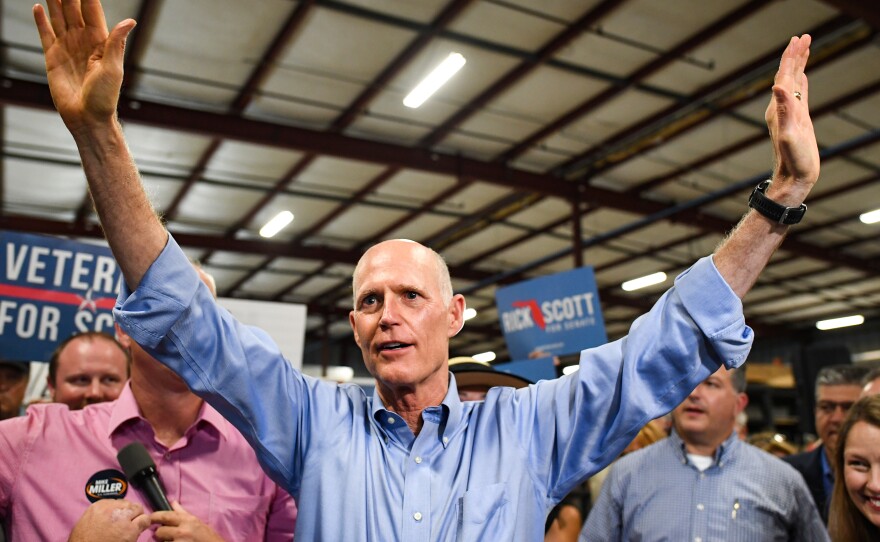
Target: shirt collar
x: 726, y: 450
x: 451, y: 409
x: 125, y: 409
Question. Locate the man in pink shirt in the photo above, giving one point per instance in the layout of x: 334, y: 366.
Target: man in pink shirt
x: 54, y: 462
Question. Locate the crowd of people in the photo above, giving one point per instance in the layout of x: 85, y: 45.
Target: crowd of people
x: 248, y: 448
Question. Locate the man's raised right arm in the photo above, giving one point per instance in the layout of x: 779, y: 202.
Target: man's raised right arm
x: 84, y: 66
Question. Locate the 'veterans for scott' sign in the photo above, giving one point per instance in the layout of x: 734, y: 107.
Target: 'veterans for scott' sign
x: 557, y: 314
x: 51, y: 288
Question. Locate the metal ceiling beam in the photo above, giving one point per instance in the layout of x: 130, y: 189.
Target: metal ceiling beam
x: 692, y: 215
x: 643, y: 72
x: 206, y: 242
x: 245, y: 95
x: 342, y: 121
x: 16, y: 91
x: 632, y: 81
x: 393, y: 69
x: 756, y: 139
x: 525, y: 67
x: 841, y: 35
x: 861, y: 9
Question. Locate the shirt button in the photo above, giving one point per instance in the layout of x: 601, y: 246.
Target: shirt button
x: 700, y: 507
x: 702, y: 475
x: 698, y: 539
x: 445, y: 440
x: 418, y: 459
x: 390, y: 419
x: 168, y: 456
x: 417, y: 516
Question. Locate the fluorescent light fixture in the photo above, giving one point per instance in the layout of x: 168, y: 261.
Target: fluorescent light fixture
x: 835, y: 323
x: 469, y: 313
x: 436, y: 79
x: 277, y: 224
x: 871, y: 217
x: 570, y: 369
x: 485, y: 357
x: 643, y: 282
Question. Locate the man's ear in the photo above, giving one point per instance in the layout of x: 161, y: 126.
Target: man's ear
x: 742, y: 401
x: 354, y: 328
x: 51, y: 387
x: 456, y: 315
x: 122, y: 336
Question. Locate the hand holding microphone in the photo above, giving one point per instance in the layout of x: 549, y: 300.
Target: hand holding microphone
x: 140, y: 470
x: 176, y: 523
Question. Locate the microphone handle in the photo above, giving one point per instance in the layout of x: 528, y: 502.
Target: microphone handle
x: 155, y: 493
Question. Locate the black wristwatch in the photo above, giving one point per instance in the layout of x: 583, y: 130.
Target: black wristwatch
x: 772, y: 210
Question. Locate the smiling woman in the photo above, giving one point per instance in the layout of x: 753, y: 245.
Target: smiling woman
x: 855, y: 504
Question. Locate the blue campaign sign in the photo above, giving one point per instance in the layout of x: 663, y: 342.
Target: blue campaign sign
x: 556, y: 314
x: 51, y: 288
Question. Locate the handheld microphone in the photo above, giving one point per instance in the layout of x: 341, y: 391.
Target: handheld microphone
x: 140, y: 469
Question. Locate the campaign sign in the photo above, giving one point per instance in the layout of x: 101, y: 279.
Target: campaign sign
x: 51, y: 288
x: 556, y: 314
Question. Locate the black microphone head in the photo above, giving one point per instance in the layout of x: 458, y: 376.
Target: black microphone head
x: 135, y: 461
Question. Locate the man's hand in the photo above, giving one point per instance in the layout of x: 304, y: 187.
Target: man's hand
x: 180, y: 525
x: 83, y: 61
x: 110, y: 520
x: 791, y: 129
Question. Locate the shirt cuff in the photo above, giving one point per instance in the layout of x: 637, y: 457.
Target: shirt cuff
x: 166, y: 290
x: 716, y: 310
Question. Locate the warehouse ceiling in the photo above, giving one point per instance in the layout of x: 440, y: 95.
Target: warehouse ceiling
x: 620, y: 134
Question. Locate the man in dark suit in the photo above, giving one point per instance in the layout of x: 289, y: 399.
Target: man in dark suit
x: 837, y: 388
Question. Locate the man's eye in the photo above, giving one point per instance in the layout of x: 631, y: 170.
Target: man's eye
x: 412, y: 295
x: 369, y: 300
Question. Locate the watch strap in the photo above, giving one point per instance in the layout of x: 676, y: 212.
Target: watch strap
x: 775, y: 211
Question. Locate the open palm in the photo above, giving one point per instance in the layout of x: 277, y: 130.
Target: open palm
x: 83, y: 60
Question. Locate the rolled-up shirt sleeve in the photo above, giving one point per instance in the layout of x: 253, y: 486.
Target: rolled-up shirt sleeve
x: 238, y: 369
x: 694, y: 328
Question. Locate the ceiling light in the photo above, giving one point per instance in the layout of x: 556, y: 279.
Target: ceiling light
x: 436, y: 79
x: 470, y: 313
x: 871, y: 217
x: 642, y: 282
x: 277, y: 224
x: 835, y: 323
x: 485, y: 357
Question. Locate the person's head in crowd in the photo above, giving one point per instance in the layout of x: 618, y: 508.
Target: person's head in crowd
x: 707, y: 417
x: 772, y: 442
x: 87, y: 368
x: 837, y: 388
x: 855, y: 503
x: 14, y: 377
x: 871, y: 382
x: 403, y: 317
x: 474, y: 378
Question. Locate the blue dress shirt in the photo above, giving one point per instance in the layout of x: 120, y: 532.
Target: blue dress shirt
x: 746, y: 495
x: 477, y: 471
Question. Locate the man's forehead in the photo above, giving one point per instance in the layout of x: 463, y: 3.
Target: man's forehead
x: 840, y: 390
x: 396, y: 254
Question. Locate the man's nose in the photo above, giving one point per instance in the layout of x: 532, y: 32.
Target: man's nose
x: 94, y: 388
x: 389, y: 312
